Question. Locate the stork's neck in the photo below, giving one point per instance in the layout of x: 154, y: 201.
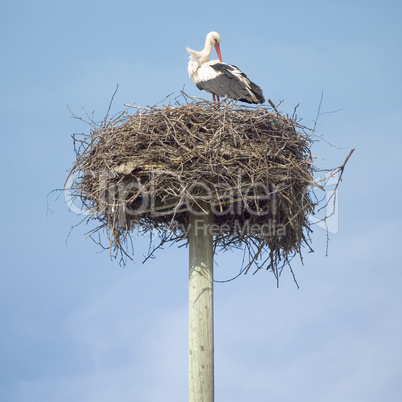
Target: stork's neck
x: 206, y: 52
x: 199, y: 58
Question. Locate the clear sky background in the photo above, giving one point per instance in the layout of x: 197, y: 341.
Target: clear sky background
x: 75, y: 326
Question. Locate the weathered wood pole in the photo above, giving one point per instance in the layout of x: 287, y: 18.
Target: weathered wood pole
x: 201, y: 312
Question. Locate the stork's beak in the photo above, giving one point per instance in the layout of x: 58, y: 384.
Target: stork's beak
x: 218, y: 52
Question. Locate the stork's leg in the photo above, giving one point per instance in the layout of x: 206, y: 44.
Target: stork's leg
x: 213, y: 98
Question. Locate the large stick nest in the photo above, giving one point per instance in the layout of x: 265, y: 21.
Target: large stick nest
x: 148, y: 169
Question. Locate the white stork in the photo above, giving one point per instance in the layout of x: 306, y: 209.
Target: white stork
x: 218, y: 78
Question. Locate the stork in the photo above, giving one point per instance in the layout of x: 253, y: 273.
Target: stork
x: 219, y: 78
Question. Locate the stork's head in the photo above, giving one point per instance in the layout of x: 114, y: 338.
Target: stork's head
x: 214, y: 39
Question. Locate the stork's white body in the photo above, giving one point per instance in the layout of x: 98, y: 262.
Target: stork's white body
x: 218, y: 78
x: 203, y: 72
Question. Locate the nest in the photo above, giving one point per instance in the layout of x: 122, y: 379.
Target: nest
x: 146, y: 170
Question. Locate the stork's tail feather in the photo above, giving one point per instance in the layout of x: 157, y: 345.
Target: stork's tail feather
x: 257, y: 92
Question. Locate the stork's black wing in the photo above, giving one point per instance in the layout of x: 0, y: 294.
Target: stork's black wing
x: 233, y: 83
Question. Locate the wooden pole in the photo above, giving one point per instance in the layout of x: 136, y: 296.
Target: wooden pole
x: 201, y: 314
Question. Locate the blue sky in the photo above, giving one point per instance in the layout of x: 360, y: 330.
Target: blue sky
x: 75, y: 326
